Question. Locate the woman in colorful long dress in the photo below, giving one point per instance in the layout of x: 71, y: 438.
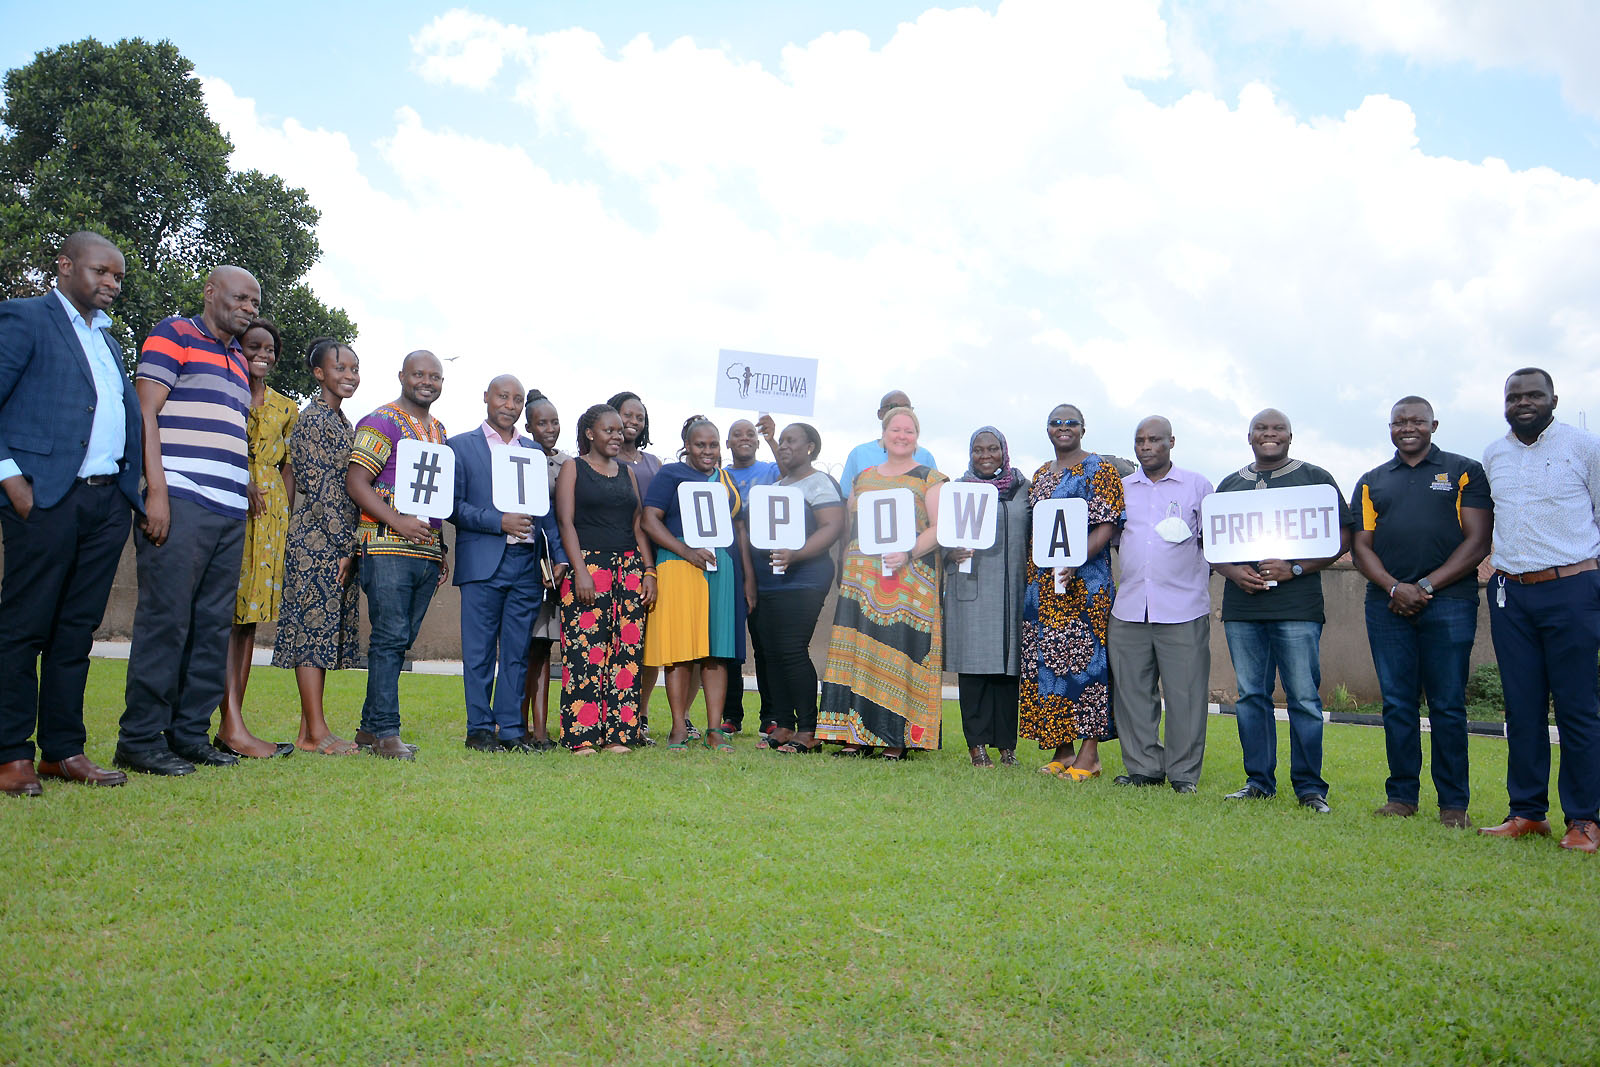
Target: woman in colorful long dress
x: 318, y: 628
x: 544, y: 426
x: 271, y: 490
x: 606, y: 594
x: 882, y: 687
x: 1066, y: 677
x: 699, y: 618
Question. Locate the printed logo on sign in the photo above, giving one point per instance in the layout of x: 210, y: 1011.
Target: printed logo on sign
x: 763, y: 385
x: 768, y: 382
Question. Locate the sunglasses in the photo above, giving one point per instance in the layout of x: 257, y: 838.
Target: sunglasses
x: 1057, y: 424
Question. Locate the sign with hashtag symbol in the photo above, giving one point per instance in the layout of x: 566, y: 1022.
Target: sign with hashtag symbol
x: 424, y: 479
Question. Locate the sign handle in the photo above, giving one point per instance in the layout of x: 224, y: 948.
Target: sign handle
x: 711, y: 567
x: 888, y: 571
x: 965, y: 566
x: 777, y: 568
x: 1061, y: 583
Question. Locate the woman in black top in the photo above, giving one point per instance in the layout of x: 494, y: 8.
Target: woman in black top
x: 604, y: 601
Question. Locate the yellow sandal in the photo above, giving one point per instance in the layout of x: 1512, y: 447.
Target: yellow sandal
x: 1055, y: 769
x: 1078, y: 774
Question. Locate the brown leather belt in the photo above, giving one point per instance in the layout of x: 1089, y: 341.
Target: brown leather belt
x: 1550, y: 573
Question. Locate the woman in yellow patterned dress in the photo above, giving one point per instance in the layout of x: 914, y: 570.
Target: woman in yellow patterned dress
x: 882, y: 688
x: 271, y: 491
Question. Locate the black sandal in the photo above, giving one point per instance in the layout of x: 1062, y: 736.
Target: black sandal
x: 792, y: 747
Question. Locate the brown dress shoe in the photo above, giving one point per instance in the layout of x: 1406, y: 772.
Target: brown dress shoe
x: 17, y: 779
x: 1455, y: 818
x: 80, y: 768
x: 1581, y: 836
x: 1517, y: 826
x: 392, y: 748
x: 1398, y: 809
x: 365, y: 740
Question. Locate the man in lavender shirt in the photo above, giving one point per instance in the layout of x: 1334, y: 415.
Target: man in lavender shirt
x: 1160, y: 640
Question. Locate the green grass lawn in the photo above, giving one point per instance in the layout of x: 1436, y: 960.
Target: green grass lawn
x: 674, y: 908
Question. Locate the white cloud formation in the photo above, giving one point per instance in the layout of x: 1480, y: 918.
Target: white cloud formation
x: 1553, y: 37
x: 987, y: 211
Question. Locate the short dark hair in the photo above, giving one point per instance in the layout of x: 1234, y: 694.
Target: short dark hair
x: 1403, y: 401
x: 615, y: 404
x: 320, y: 349
x: 812, y: 436
x: 588, y: 419
x: 1549, y: 382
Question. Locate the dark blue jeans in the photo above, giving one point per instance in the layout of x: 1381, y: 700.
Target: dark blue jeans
x: 1546, y: 639
x: 1424, y: 654
x: 398, y: 590
x: 1293, y: 652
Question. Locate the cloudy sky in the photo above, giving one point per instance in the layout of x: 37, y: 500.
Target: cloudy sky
x: 1197, y: 209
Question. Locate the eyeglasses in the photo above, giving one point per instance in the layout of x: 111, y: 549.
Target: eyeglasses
x: 1068, y: 424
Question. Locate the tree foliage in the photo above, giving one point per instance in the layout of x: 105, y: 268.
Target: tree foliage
x: 116, y: 138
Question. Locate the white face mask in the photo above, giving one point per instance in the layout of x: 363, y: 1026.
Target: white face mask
x: 1174, y: 530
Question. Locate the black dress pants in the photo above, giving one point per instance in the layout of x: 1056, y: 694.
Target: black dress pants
x: 786, y: 621
x: 60, y: 562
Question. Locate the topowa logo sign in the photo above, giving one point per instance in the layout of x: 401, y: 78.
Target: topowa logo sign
x: 766, y: 382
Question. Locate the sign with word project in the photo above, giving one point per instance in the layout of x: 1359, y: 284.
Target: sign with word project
x: 707, y: 518
x: 521, y: 482
x: 424, y: 479
x: 968, y: 517
x: 766, y: 383
x: 1296, y: 522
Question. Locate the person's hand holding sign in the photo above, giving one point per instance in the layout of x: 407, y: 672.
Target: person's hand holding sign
x: 518, y: 526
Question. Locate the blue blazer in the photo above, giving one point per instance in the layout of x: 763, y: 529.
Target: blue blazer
x: 480, y: 542
x: 47, y: 400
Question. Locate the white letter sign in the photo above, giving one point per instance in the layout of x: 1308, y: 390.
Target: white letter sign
x: 777, y: 515
x: 968, y: 517
x: 886, y: 521
x: 424, y: 479
x: 707, y: 519
x: 748, y: 380
x: 1296, y: 522
x: 521, y: 480
x: 1060, y: 534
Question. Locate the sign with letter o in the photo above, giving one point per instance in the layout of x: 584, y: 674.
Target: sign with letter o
x: 886, y: 521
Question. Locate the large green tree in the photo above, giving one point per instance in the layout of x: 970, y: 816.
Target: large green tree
x: 116, y: 138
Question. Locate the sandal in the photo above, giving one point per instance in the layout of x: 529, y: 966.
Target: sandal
x: 1008, y: 757
x: 850, y: 753
x: 1055, y: 769
x: 722, y: 743
x: 980, y: 758
x: 1078, y: 774
x: 893, y: 757
x: 332, y: 745
x: 792, y: 747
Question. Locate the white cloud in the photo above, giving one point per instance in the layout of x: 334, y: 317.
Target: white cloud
x: 987, y: 211
x: 1553, y: 37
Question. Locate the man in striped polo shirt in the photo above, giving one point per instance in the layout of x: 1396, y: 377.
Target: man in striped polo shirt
x: 194, y: 396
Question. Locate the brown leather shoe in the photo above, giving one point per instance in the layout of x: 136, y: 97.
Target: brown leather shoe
x: 1398, y: 809
x: 17, y: 779
x: 1455, y: 818
x: 1581, y: 836
x: 365, y: 740
x: 392, y: 748
x: 1517, y: 826
x: 80, y: 768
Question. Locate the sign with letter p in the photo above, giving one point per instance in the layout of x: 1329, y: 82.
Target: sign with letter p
x: 777, y: 515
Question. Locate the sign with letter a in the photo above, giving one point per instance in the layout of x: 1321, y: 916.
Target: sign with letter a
x: 777, y: 515
x: 707, y: 519
x: 968, y: 517
x: 424, y: 479
x: 1060, y: 534
x: 886, y: 521
x: 1296, y: 522
x: 521, y: 481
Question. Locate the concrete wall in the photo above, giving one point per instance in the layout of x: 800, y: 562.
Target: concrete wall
x: 1346, y: 658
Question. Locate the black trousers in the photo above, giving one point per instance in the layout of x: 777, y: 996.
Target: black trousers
x: 177, y: 667
x: 988, y: 709
x: 733, y: 704
x: 60, y: 562
x: 786, y: 622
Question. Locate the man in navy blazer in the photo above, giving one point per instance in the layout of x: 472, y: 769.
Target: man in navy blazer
x: 497, y: 570
x: 69, y: 464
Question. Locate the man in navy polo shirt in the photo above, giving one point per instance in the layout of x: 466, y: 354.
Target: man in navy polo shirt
x: 1425, y: 520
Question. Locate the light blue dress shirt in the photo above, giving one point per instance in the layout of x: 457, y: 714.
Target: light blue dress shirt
x: 108, y: 434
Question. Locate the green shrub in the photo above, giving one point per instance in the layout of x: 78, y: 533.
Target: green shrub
x: 1483, y: 688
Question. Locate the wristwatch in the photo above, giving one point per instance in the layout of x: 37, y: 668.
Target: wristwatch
x: 1297, y: 569
x: 1425, y: 585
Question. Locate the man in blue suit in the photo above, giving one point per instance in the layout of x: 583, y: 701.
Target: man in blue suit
x: 69, y: 465
x: 498, y: 571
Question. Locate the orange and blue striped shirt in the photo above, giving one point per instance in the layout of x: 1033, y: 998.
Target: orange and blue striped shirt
x: 203, y: 447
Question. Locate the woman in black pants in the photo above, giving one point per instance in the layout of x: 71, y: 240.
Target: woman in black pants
x: 791, y: 601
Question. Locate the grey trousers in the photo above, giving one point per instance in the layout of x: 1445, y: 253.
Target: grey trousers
x: 1149, y: 659
x: 177, y: 667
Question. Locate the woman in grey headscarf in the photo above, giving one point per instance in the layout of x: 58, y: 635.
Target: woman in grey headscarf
x: 983, y: 608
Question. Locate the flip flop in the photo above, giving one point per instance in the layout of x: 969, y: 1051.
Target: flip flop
x: 1055, y: 769
x: 1078, y: 774
x: 722, y: 744
x: 333, y: 745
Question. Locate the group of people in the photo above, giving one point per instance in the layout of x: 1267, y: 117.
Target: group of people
x: 250, y: 511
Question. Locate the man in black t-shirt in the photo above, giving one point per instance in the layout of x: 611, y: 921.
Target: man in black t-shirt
x: 1272, y: 615
x: 1426, y: 519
